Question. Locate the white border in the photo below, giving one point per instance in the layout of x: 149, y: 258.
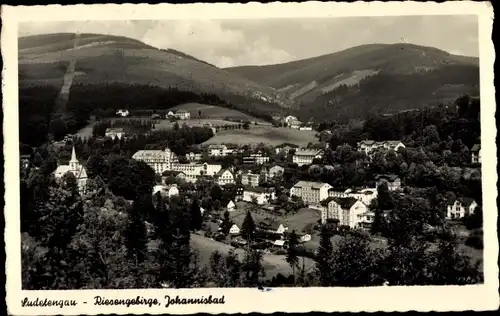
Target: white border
x: 419, y: 298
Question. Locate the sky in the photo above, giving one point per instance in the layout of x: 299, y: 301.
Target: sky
x: 228, y: 43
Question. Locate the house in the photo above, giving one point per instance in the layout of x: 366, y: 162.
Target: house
x: 169, y: 114
x: 24, y: 161
x: 311, y: 192
x: 234, y: 230
x: 290, y: 118
x: 194, y: 157
x: 366, y: 219
x: 172, y: 173
x: 392, y: 180
x: 74, y: 167
x: 275, y: 172
x: 306, y: 156
x: 219, y: 150
x: 114, y: 133
x: 250, y: 179
x: 239, y: 193
x: 283, y: 149
x: 460, y: 208
x: 272, y: 226
x: 231, y: 206
x: 295, y: 124
x: 305, y: 128
x: 368, y: 146
x: 194, y: 171
x: 122, y: 113
x: 365, y: 195
x: 259, y: 195
x: 183, y: 115
x: 476, y: 154
x: 224, y: 176
x: 304, y: 237
x: 256, y: 158
x: 166, y: 190
x: 279, y: 243
x: 346, y: 210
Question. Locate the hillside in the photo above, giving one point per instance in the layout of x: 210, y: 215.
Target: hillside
x: 377, y: 78
x: 64, y: 60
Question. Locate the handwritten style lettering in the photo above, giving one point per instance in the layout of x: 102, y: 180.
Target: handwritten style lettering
x: 39, y: 302
x: 200, y: 300
x: 99, y: 300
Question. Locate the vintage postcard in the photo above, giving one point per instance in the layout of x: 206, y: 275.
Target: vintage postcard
x: 236, y: 158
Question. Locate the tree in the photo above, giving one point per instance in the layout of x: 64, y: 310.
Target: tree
x: 354, y: 263
x: 196, y: 218
x: 324, y: 258
x: 291, y: 257
x: 248, y: 227
x: 226, y: 223
x: 253, y: 268
x: 136, y: 234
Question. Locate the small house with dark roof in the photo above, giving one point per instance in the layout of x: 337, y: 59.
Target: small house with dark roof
x: 174, y: 174
x: 460, y: 208
x: 346, y: 210
x: 225, y: 176
x: 392, y: 180
x: 476, y: 154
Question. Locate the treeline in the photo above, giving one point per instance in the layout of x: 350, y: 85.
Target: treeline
x: 390, y: 93
x: 36, y: 106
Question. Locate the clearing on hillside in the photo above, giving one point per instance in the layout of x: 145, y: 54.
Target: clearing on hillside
x: 215, y: 112
x: 272, y: 136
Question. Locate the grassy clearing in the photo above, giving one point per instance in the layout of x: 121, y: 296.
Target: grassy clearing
x: 215, y: 112
x: 272, y: 136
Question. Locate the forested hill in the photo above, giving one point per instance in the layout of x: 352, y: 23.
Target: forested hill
x: 376, y: 78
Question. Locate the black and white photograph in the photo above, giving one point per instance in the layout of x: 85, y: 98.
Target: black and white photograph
x: 269, y: 153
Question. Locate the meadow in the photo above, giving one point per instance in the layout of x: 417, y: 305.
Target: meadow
x: 268, y: 135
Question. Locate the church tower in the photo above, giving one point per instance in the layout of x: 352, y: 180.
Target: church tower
x: 73, y: 163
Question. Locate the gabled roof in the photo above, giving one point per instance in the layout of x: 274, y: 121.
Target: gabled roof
x: 310, y: 184
x: 476, y: 148
x: 466, y: 201
x: 308, y: 152
x: 222, y: 171
x: 389, y: 177
x: 345, y: 203
x: 114, y: 129
x: 256, y: 189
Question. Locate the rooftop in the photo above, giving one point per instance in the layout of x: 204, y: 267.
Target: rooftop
x: 309, y: 184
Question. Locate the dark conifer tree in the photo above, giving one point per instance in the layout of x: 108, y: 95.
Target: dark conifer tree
x: 324, y: 258
x: 291, y: 256
x: 248, y: 227
x: 136, y: 234
x: 196, y: 217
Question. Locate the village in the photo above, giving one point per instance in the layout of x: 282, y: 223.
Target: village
x: 251, y: 180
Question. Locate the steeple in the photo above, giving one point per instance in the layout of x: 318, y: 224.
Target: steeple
x: 73, y: 156
x: 73, y: 163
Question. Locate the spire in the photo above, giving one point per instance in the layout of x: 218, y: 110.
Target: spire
x: 73, y: 155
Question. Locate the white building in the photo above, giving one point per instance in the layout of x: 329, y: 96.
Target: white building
x: 304, y: 238
x: 306, y: 156
x: 305, y: 128
x: 122, y: 112
x: 234, y: 230
x: 250, y: 179
x: 368, y: 146
x: 218, y: 150
x: 311, y: 192
x: 231, y: 206
x: 165, y: 160
x: 114, y: 133
x: 165, y: 190
x: 256, y: 158
x: 158, y: 160
x: 275, y: 172
x: 366, y: 195
x: 225, y: 176
x: 183, y: 115
x: 74, y: 167
x: 260, y: 195
x: 460, y: 208
x: 347, y: 210
x: 194, y: 157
